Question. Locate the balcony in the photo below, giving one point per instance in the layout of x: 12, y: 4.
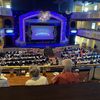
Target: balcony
x: 5, y: 11
x: 92, y: 34
x: 91, y: 15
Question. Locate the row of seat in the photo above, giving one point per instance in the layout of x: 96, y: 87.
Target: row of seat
x: 22, y: 58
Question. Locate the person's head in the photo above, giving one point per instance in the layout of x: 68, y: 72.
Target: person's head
x: 68, y: 64
x: 34, y: 71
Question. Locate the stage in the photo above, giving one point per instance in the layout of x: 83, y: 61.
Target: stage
x: 40, y: 45
x: 39, y: 29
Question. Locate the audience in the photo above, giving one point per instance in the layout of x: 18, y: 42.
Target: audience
x: 67, y: 76
x: 81, y: 56
x: 29, y: 56
x: 36, y: 79
x: 3, y: 80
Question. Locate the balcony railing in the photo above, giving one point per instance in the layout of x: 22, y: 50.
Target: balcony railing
x: 5, y: 11
x: 89, y: 34
x: 86, y: 15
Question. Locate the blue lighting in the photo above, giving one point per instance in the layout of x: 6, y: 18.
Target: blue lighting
x: 73, y: 31
x: 42, y: 32
x: 33, y: 14
x: 9, y: 31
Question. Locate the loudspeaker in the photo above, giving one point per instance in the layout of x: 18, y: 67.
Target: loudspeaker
x: 8, y: 41
x: 72, y: 39
x: 8, y: 22
x: 73, y: 25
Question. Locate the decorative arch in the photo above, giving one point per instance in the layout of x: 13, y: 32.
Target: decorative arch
x: 33, y: 14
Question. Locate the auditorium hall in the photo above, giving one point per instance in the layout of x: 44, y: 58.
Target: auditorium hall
x: 50, y: 49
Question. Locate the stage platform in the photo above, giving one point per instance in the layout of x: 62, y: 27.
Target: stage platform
x: 41, y: 45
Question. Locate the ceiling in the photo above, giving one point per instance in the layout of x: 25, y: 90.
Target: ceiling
x: 87, y: 0
x: 59, y: 1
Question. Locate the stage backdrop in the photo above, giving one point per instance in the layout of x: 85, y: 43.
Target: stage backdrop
x: 43, y: 26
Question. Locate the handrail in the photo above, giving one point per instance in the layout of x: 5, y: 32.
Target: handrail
x: 47, y: 66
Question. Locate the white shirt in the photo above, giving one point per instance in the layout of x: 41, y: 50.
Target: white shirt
x: 3, y: 81
x: 41, y: 80
x: 2, y: 76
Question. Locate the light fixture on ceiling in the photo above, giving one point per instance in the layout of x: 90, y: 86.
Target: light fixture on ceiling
x: 95, y: 7
x: 8, y: 6
x: 44, y: 16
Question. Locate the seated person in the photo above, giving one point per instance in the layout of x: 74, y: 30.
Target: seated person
x: 3, y: 80
x: 36, y: 79
x: 67, y: 76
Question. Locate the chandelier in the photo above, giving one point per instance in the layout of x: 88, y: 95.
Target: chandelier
x: 44, y: 16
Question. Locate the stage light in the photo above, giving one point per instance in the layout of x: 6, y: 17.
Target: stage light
x: 68, y: 12
x: 86, y: 3
x: 74, y: 31
x: 93, y: 26
x: 98, y: 23
x: 86, y: 9
x: 9, y: 31
x: 95, y: 7
x: 8, y: 6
